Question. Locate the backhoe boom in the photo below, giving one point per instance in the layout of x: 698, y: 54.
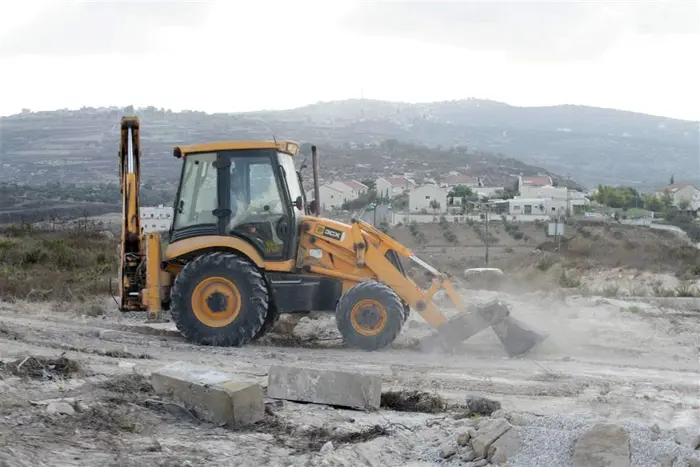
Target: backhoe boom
x: 131, y: 271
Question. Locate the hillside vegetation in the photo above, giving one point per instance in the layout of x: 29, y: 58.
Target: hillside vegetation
x: 67, y: 264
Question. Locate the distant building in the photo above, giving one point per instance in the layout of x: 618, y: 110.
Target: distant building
x: 455, y: 180
x: 155, y: 218
x: 682, y: 193
x: 351, y: 188
x: 391, y: 187
x: 533, y: 182
x: 426, y: 197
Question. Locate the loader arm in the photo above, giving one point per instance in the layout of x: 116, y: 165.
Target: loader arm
x: 366, y: 252
x: 373, y: 256
x: 515, y: 336
x: 139, y: 261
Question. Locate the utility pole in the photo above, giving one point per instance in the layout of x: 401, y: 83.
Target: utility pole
x: 486, y: 221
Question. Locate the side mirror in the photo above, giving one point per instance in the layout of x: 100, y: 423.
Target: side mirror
x: 299, y: 203
x: 313, y: 207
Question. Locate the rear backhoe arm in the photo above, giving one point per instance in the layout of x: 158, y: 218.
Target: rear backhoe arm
x: 139, y: 263
x: 131, y: 251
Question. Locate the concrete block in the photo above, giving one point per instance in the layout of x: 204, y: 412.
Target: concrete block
x: 332, y: 387
x: 214, y: 396
x: 489, y: 432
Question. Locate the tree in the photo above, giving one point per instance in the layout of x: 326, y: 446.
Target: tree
x: 670, y: 182
x: 369, y: 183
x: 435, y: 205
x: 618, y: 197
x: 461, y: 192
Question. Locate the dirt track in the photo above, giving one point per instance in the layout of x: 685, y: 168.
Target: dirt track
x: 604, y: 358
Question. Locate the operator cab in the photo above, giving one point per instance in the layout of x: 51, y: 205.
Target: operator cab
x: 245, y: 189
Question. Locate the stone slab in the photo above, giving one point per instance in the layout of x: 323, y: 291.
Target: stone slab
x: 488, y: 433
x: 604, y: 444
x: 214, y: 396
x: 505, y: 447
x: 331, y: 387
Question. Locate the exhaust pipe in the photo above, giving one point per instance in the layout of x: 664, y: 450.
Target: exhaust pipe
x: 317, y: 191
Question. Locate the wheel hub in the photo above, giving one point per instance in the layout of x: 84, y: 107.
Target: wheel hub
x: 217, y: 302
x: 368, y: 317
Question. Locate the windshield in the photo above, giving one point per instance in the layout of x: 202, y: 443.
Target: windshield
x: 290, y: 174
x: 198, y: 198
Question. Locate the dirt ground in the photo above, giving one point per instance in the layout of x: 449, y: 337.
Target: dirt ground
x: 605, y: 358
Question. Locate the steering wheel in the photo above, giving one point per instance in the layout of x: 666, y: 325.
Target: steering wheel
x: 282, y: 227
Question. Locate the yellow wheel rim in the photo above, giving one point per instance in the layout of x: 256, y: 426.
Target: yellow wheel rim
x: 368, y: 317
x: 216, y: 302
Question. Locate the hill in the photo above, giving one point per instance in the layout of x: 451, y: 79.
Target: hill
x: 592, y: 145
x: 80, y: 147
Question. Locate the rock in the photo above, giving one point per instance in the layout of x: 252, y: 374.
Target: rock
x: 468, y: 455
x: 212, y: 395
x: 488, y: 433
x: 517, y: 419
x: 693, y: 462
x: 481, y: 463
x: 328, y: 447
x: 666, y: 460
x: 332, y: 387
x: 499, y: 414
x: 603, y: 444
x: 482, y: 405
x: 505, y: 446
x: 127, y: 365
x: 463, y: 438
x: 686, y: 437
x: 695, y: 443
x: 60, y: 408
x: 448, y: 450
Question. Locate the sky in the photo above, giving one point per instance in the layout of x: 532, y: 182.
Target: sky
x: 242, y: 55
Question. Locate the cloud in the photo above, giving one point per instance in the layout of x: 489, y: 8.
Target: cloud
x: 77, y: 28
x: 552, y: 31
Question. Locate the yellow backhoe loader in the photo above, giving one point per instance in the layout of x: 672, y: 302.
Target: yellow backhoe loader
x: 245, y: 246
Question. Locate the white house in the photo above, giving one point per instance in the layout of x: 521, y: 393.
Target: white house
x: 331, y: 198
x: 156, y: 218
x: 426, y: 197
x: 352, y: 188
x: 454, y: 180
x: 561, y: 199
x: 533, y: 182
x: 682, y: 193
x: 390, y: 187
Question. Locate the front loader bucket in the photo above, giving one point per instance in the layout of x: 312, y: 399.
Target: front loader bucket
x: 517, y: 338
x: 514, y: 335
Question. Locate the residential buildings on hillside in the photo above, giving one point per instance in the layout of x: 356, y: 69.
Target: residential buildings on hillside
x: 537, y: 196
x: 684, y: 195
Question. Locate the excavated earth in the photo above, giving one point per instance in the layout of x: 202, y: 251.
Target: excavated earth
x: 74, y: 390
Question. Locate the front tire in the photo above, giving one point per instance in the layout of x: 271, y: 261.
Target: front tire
x: 369, y: 316
x: 219, y: 299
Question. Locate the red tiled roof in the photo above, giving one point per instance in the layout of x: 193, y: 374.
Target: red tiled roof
x: 537, y: 181
x: 399, y: 181
x: 676, y: 186
x: 354, y: 184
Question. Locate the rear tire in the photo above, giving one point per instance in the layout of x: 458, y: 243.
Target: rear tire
x: 369, y: 316
x: 219, y: 299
